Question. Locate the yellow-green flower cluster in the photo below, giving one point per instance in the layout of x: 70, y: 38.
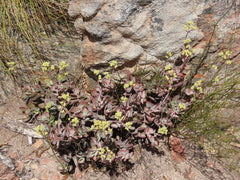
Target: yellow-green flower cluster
x: 124, y: 99
x: 225, y: 56
x: 189, y: 26
x: 197, y: 86
x: 63, y: 104
x: 97, y: 72
x: 113, y: 64
x: 40, y: 129
x: 216, y: 79
x: 48, y: 106
x: 107, y: 75
x: 62, y: 65
x: 75, y: 121
x: 128, y: 125
x: 127, y: 85
x: 186, y: 41
x: 163, y: 130
x: 66, y: 97
x: 170, y: 72
x: 11, y: 65
x: 228, y: 62
x: 214, y: 67
x: 168, y: 67
x: 118, y: 115
x: 187, y: 52
x: 106, y: 154
x: 182, y: 105
x: 169, y: 54
x: 101, y: 125
x: 45, y: 66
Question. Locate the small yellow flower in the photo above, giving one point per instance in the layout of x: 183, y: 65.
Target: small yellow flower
x: 108, y: 131
x: 11, y: 65
x: 168, y: 67
x: 214, y: 67
x: 40, y: 129
x: 186, y: 28
x: 200, y: 89
x: 169, y: 54
x: 99, y: 77
x: 75, y: 121
x: 118, y: 115
x: 189, y: 26
x: 128, y: 125
x: 124, y: 99
x: 63, y: 104
x: 163, y: 130
x: 125, y: 86
x: 186, y: 41
x: 45, y: 66
x: 197, y: 83
x: 225, y: 55
x: 100, y: 125
x: 192, y: 27
x: 107, y: 75
x: 216, y: 79
x: 114, y: 64
x: 166, y: 77
x: 48, y: 105
x: 96, y: 72
x: 130, y: 83
x: 52, y: 67
x: 66, y: 97
x: 101, y: 151
x: 197, y: 86
x: 170, y: 71
x: 182, y: 105
x: 228, y: 62
x: 228, y: 53
x: 63, y: 65
x: 106, y: 153
x: 187, y: 53
x: 220, y: 54
x: 190, y: 22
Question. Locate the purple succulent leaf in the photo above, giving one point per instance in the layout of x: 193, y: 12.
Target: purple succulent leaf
x: 149, y: 104
x: 149, y: 118
x: 115, y: 125
x: 149, y: 130
x: 141, y: 135
x: 124, y: 155
x: 129, y: 113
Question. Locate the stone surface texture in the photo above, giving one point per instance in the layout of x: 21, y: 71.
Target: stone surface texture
x: 144, y: 30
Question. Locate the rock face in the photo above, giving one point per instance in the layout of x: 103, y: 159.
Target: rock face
x: 144, y: 30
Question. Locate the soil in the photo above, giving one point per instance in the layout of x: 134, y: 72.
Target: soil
x: 178, y: 159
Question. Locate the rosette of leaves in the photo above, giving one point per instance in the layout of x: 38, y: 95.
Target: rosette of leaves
x: 105, y: 126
